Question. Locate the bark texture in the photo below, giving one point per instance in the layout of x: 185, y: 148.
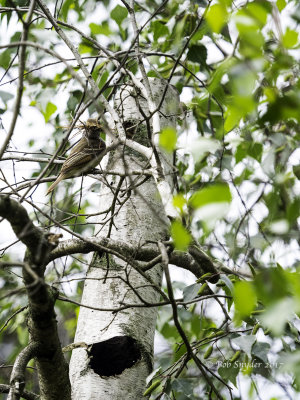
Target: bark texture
x: 51, y: 365
x: 120, y: 351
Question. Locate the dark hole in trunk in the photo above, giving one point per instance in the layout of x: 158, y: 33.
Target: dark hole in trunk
x: 112, y: 356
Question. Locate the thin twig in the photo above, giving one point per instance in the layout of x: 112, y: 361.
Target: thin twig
x: 21, y: 68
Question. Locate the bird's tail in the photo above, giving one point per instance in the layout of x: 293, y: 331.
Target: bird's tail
x: 54, y: 184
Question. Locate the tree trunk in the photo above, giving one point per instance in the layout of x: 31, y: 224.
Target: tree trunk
x: 120, y: 352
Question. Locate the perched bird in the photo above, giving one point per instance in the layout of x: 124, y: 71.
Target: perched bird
x: 85, y: 155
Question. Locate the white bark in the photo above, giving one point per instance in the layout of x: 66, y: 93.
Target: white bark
x: 140, y: 219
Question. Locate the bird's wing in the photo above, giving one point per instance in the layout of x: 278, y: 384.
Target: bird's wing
x: 79, y: 146
x: 80, y: 161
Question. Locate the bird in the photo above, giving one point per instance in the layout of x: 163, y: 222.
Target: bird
x: 85, y: 155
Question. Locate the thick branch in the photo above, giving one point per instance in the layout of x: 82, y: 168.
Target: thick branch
x: 198, y: 265
x: 33, y: 237
x: 27, y: 395
x: 17, y: 378
x: 52, y: 368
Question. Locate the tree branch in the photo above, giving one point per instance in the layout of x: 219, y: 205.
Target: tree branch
x: 190, y: 352
x: 17, y: 378
x: 27, y: 395
x: 33, y: 238
x: 52, y: 367
x: 22, y: 58
x: 198, y: 265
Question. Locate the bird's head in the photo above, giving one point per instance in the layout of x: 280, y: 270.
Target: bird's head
x: 92, y: 127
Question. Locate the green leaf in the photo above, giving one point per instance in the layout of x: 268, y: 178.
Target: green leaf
x: 232, y: 117
x: 154, y: 373
x: 168, y: 139
x: 271, y: 284
x: 198, y: 54
x: 50, y: 109
x: 180, y: 236
x: 245, y: 343
x: 242, y: 106
x: 255, y: 151
x: 229, y: 371
x: 252, y: 17
x: 5, y: 96
x: 159, y: 30
x: 296, y: 170
x: 179, y: 201
x: 5, y: 58
x: 278, y: 314
x: 217, y: 193
x: 151, y: 388
x: 211, y: 204
x: 67, y: 5
x: 85, y: 48
x: 258, y: 12
x: 290, y: 38
x: 281, y: 4
x: 190, y: 292
x: 208, y: 352
x: 251, y: 149
x: 118, y: 14
x: 293, y: 210
x: 290, y: 362
x: 182, y: 386
x: 22, y: 335
x: 103, y: 79
x: 74, y: 99
x: 261, y: 350
x: 102, y: 29
x: 241, y: 152
x: 227, y: 282
x: 169, y: 331
x: 216, y: 17
x: 251, y: 44
x: 244, y: 298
